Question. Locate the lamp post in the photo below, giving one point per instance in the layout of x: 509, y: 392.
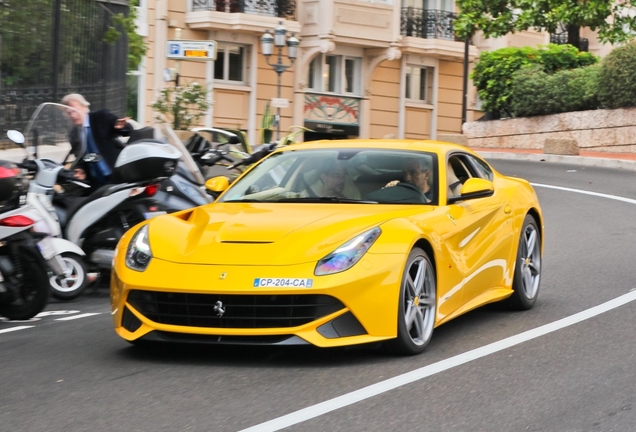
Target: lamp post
x: 279, y: 39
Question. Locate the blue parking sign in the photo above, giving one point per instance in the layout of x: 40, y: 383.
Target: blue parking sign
x: 174, y: 49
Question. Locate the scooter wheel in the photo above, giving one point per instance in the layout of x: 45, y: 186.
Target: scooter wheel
x: 75, y: 280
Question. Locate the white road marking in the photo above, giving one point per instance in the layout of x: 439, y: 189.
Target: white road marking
x: 584, y: 192
x: 435, y: 368
x: 15, y: 329
x: 68, y: 318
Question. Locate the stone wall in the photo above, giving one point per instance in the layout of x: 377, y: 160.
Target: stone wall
x: 597, y: 130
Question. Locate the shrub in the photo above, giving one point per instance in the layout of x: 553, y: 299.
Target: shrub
x: 493, y: 73
x: 617, y: 79
x: 563, y: 57
x: 181, y: 106
x: 534, y: 92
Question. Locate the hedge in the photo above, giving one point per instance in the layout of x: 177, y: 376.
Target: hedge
x: 617, y: 78
x: 493, y: 73
x: 535, y: 92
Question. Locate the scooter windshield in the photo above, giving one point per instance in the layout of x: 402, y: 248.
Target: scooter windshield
x: 186, y: 159
x: 54, y: 132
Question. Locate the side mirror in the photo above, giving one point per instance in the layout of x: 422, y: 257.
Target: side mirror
x: 16, y: 137
x: 217, y: 184
x: 474, y: 188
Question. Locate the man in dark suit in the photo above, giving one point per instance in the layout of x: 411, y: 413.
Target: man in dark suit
x: 95, y: 132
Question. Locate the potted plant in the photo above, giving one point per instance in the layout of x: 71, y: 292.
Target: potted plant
x: 181, y: 106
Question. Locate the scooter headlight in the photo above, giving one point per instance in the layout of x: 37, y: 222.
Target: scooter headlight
x: 347, y: 255
x: 138, y: 254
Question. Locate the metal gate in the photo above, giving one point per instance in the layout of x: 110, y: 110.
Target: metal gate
x: 49, y: 48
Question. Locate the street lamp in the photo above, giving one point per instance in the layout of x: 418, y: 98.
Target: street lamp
x: 279, y: 39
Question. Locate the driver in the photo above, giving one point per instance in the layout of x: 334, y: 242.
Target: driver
x: 416, y: 173
x: 98, y: 131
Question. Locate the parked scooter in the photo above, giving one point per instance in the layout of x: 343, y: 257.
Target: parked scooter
x: 69, y: 275
x: 185, y: 188
x: 24, y: 288
x: 96, y: 222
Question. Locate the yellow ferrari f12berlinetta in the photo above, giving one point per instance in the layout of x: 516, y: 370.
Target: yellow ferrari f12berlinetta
x: 334, y: 243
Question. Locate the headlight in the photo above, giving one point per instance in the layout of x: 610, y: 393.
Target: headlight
x: 138, y: 254
x: 348, y: 254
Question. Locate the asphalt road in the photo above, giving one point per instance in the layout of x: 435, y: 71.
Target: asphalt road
x: 481, y: 372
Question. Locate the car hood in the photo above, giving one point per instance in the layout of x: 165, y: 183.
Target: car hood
x: 263, y: 233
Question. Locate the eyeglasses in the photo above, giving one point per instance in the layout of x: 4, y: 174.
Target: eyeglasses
x: 413, y: 172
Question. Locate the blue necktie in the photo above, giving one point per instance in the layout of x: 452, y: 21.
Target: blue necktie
x: 100, y: 170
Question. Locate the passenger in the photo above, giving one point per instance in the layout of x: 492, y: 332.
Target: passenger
x: 333, y: 180
x: 333, y: 177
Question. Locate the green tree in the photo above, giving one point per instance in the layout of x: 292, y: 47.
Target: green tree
x: 25, y: 40
x: 137, y: 46
x: 614, y: 20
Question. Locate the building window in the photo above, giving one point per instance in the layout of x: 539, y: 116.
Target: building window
x: 230, y: 63
x: 444, y: 5
x: 335, y: 74
x: 419, y: 83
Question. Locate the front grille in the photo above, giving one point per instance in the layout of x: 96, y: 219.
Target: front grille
x: 217, y: 340
x: 239, y: 311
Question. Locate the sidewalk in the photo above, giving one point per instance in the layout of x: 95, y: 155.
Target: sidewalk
x: 626, y: 161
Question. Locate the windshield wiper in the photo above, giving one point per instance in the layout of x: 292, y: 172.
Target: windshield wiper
x: 248, y: 200
x: 323, y: 199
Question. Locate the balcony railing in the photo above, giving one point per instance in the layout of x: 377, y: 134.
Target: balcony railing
x: 275, y: 8
x: 427, y: 23
x: 562, y: 39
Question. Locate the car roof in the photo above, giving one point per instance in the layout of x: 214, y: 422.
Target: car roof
x: 439, y: 147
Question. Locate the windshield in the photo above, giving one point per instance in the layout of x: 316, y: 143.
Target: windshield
x: 343, y: 175
x: 53, y: 132
x: 186, y: 159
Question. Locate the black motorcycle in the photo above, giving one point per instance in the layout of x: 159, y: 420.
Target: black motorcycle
x: 24, y: 284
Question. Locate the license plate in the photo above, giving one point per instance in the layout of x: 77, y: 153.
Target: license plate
x: 149, y: 215
x: 283, y: 283
x: 46, y: 248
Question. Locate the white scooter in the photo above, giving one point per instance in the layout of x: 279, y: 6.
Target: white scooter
x: 71, y: 276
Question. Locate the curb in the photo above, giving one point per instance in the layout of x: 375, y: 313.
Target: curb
x: 629, y: 165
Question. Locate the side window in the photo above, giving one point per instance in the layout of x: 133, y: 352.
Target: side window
x: 483, y: 169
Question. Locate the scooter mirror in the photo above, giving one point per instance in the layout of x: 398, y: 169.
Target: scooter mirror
x: 92, y: 158
x: 16, y: 137
x: 217, y: 184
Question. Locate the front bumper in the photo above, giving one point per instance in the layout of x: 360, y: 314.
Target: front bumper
x: 176, y: 302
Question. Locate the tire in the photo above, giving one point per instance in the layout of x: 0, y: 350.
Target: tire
x: 34, y: 290
x: 418, y: 282
x: 70, y: 286
x: 527, y: 277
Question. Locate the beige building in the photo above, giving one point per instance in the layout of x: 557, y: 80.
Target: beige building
x: 368, y: 69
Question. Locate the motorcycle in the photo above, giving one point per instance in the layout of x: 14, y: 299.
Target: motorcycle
x: 95, y: 221
x: 24, y: 288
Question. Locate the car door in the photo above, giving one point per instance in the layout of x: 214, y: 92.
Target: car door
x: 481, y: 234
